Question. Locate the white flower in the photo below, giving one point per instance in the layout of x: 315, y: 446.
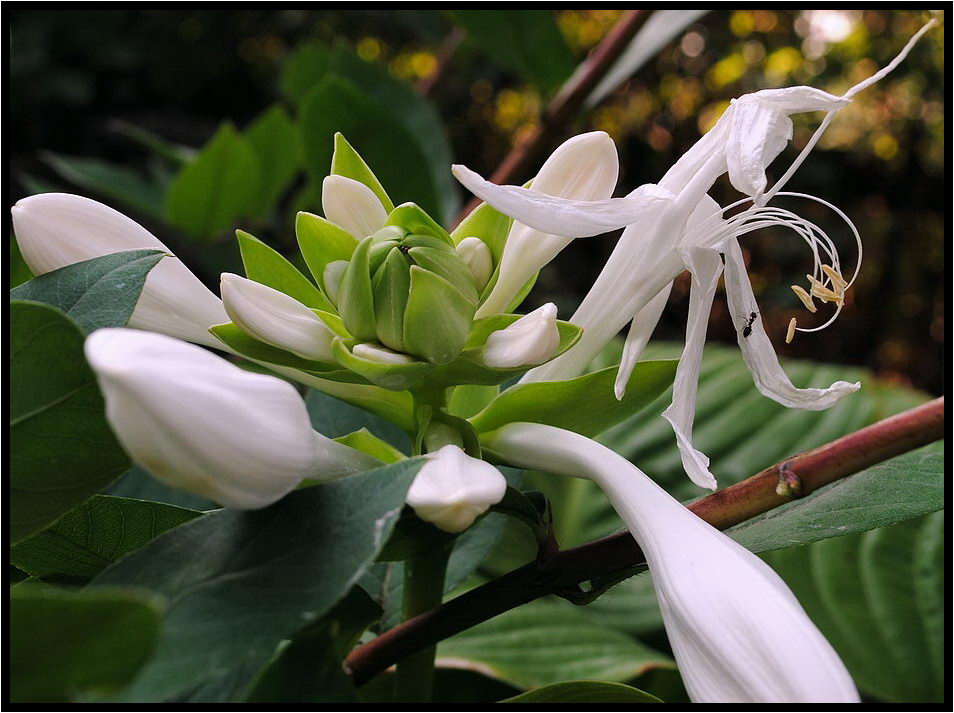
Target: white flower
x: 532, y: 339
x: 452, y: 489
x: 737, y: 631
x: 202, y: 424
x: 476, y: 255
x: 58, y: 229
x: 276, y: 318
x: 352, y: 205
x: 674, y: 226
x: 584, y: 167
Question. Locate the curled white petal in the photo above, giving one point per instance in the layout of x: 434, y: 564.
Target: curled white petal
x: 452, y: 489
x: 757, y: 350
x: 58, y: 229
x: 476, y: 255
x: 275, y: 318
x: 532, y: 339
x: 705, y: 265
x: 202, y: 424
x: 734, y: 625
x: 352, y: 205
x: 556, y: 216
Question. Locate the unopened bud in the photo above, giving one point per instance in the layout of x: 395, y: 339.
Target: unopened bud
x: 374, y: 352
x: 331, y: 277
x: 352, y: 205
x: 275, y: 318
x: 476, y: 255
x: 452, y: 489
x: 532, y: 339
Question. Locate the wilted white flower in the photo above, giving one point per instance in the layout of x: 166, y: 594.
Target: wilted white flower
x: 276, y: 318
x: 737, y: 632
x: 584, y: 167
x: 202, y: 424
x: 532, y: 339
x: 352, y: 205
x: 58, y: 229
x: 451, y: 489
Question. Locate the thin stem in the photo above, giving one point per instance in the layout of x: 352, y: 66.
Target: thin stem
x: 423, y: 589
x: 567, y: 102
x: 562, y: 573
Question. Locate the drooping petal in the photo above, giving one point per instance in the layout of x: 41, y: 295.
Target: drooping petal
x: 640, y: 331
x: 202, y: 424
x: 58, y: 229
x: 557, y: 216
x: 737, y: 632
x: 705, y: 265
x: 277, y: 319
x: 452, y: 489
x: 757, y: 350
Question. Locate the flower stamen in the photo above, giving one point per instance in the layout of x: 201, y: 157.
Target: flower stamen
x: 805, y: 298
x: 790, y: 334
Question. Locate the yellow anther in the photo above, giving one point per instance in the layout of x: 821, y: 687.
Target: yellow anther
x: 837, y: 281
x: 804, y: 297
x: 823, y: 293
x: 791, y: 332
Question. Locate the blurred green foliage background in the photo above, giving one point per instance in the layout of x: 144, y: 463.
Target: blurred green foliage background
x: 115, y: 103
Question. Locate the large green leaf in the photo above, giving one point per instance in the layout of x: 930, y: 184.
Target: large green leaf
x: 274, y: 139
x: 112, y: 181
x: 64, y: 644
x: 584, y: 692
x: 547, y: 642
x: 879, y: 598
x: 222, y: 184
x: 92, y: 536
x: 62, y: 450
x: 586, y: 404
x: 525, y: 41
x: 101, y: 292
x: 239, y: 582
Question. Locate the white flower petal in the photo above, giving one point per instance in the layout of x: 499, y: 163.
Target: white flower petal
x: 199, y: 423
x: 59, y: 229
x: 452, y: 489
x: 706, y: 267
x: 352, y: 205
x: 757, y: 350
x: 640, y: 331
x: 478, y: 258
x: 734, y: 625
x: 532, y: 339
x: 277, y: 319
x: 556, y: 216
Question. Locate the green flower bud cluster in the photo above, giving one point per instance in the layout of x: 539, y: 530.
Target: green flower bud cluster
x: 409, y: 291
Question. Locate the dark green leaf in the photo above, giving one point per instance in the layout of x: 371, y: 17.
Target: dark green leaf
x: 584, y: 692
x: 101, y: 292
x: 19, y: 271
x: 64, y: 644
x: 335, y: 418
x: 222, y: 184
x: 97, y: 533
x: 525, y: 41
x: 240, y: 582
x: 274, y: 139
x: 62, y: 450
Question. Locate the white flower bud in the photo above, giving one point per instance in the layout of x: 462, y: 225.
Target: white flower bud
x: 532, y: 339
x: 275, y: 318
x: 452, y: 489
x: 331, y: 277
x: 375, y: 352
x: 476, y: 255
x: 202, y: 424
x: 58, y: 229
x: 352, y: 205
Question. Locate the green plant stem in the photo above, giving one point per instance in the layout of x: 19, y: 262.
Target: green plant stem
x: 423, y: 591
x: 564, y: 570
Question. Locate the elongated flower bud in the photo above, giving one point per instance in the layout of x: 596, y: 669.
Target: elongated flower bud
x: 584, y: 167
x: 452, y: 489
x: 737, y: 632
x: 58, y: 229
x: 275, y: 318
x: 532, y: 339
x: 352, y: 205
x: 476, y: 255
x: 202, y: 424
